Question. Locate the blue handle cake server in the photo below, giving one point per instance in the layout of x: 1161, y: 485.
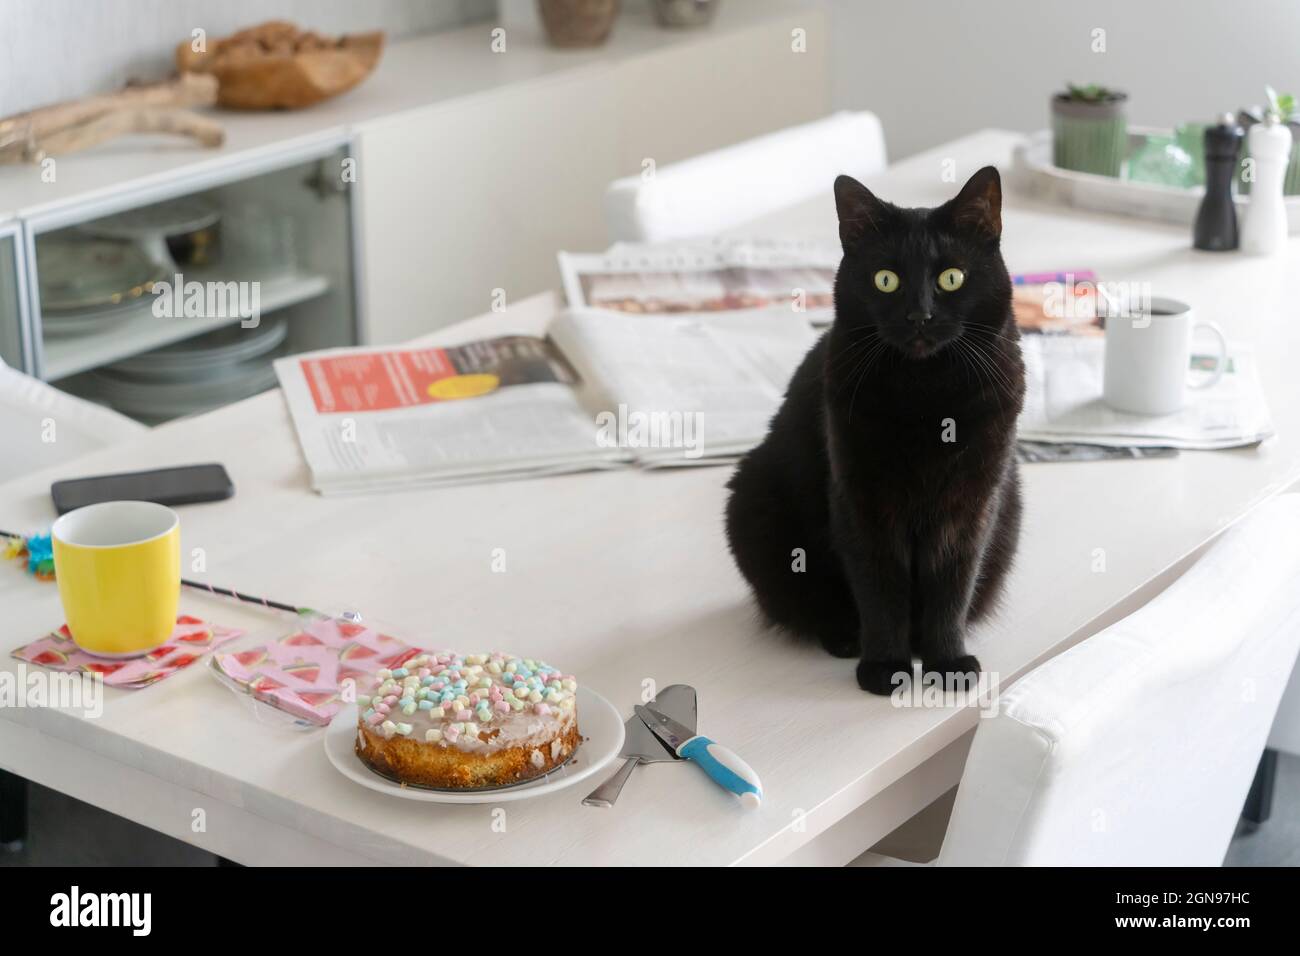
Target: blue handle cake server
x: 727, y: 770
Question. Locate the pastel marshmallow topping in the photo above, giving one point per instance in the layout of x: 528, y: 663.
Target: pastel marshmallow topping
x: 473, y: 702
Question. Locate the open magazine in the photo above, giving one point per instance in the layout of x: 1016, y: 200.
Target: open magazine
x: 598, y: 391
x: 706, y: 278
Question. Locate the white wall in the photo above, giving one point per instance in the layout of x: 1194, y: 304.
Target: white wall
x: 934, y: 69
x: 53, y: 50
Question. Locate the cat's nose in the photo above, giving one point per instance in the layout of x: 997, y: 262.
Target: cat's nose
x: 918, y: 318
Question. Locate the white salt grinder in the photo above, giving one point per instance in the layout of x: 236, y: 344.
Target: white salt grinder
x: 1265, y: 229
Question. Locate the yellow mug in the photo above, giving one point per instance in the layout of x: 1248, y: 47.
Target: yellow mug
x: 118, y: 566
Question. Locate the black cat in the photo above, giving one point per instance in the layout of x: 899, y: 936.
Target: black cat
x: 881, y: 513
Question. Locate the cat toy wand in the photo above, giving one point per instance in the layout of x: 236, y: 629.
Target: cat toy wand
x: 41, y: 563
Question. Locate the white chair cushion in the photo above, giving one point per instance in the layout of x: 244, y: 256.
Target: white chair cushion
x: 1138, y: 746
x: 43, y: 426
x: 721, y: 189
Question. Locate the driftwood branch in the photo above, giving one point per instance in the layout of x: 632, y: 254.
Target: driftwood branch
x: 78, y: 124
x: 120, y: 122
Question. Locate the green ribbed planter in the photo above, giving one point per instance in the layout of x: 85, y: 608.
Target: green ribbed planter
x: 1089, y: 137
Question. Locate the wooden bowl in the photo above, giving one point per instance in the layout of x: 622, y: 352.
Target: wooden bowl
x: 578, y: 23
x: 277, y: 66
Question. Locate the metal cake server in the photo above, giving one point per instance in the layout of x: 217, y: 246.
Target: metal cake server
x: 640, y: 745
x: 725, y: 768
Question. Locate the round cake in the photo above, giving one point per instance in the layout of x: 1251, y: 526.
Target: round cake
x: 483, y: 720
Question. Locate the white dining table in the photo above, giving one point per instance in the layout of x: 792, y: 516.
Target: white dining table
x: 624, y: 578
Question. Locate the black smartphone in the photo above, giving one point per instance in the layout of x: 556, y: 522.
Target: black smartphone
x: 185, y: 485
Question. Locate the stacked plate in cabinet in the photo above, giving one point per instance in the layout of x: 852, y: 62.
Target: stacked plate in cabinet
x: 100, y: 272
x: 195, y: 375
x: 87, y: 282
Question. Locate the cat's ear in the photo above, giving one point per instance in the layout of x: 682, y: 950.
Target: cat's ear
x: 859, y: 210
x: 978, y: 207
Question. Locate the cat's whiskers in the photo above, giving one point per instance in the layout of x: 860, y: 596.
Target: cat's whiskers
x: 967, y: 352
x: 862, y: 376
x: 960, y: 351
x: 990, y: 361
x: 998, y: 382
x: 991, y: 373
x: 855, y: 374
x: 859, y: 334
x: 854, y: 350
x: 992, y: 335
x: 862, y: 356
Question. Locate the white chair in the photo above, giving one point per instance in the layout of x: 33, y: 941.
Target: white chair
x: 44, y: 426
x: 718, y: 190
x: 1138, y: 745
x: 1285, y: 735
x: 1283, y: 738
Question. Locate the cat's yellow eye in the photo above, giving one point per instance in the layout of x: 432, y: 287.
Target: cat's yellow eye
x: 950, y: 280
x: 887, y: 281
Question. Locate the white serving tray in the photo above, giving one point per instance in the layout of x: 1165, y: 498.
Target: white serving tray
x: 1032, y: 171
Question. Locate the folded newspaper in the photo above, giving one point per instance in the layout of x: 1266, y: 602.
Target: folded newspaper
x: 706, y: 277
x: 1063, y: 401
x: 598, y: 391
x: 1064, y: 342
x: 662, y: 361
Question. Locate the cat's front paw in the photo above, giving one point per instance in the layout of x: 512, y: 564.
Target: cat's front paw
x: 882, y: 677
x: 958, y: 673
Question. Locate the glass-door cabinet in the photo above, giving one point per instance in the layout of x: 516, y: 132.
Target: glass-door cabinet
x: 13, y: 298
x: 171, y: 301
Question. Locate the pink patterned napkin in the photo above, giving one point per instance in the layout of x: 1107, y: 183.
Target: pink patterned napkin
x: 190, y: 641
x: 303, y: 672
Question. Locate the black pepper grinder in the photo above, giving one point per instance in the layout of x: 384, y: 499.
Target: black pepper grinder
x: 1216, y: 219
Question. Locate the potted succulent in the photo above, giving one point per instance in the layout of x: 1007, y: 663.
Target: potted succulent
x: 1089, y: 129
x: 1288, y: 111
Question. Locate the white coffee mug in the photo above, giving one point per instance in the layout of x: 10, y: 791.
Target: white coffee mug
x: 1147, y: 358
